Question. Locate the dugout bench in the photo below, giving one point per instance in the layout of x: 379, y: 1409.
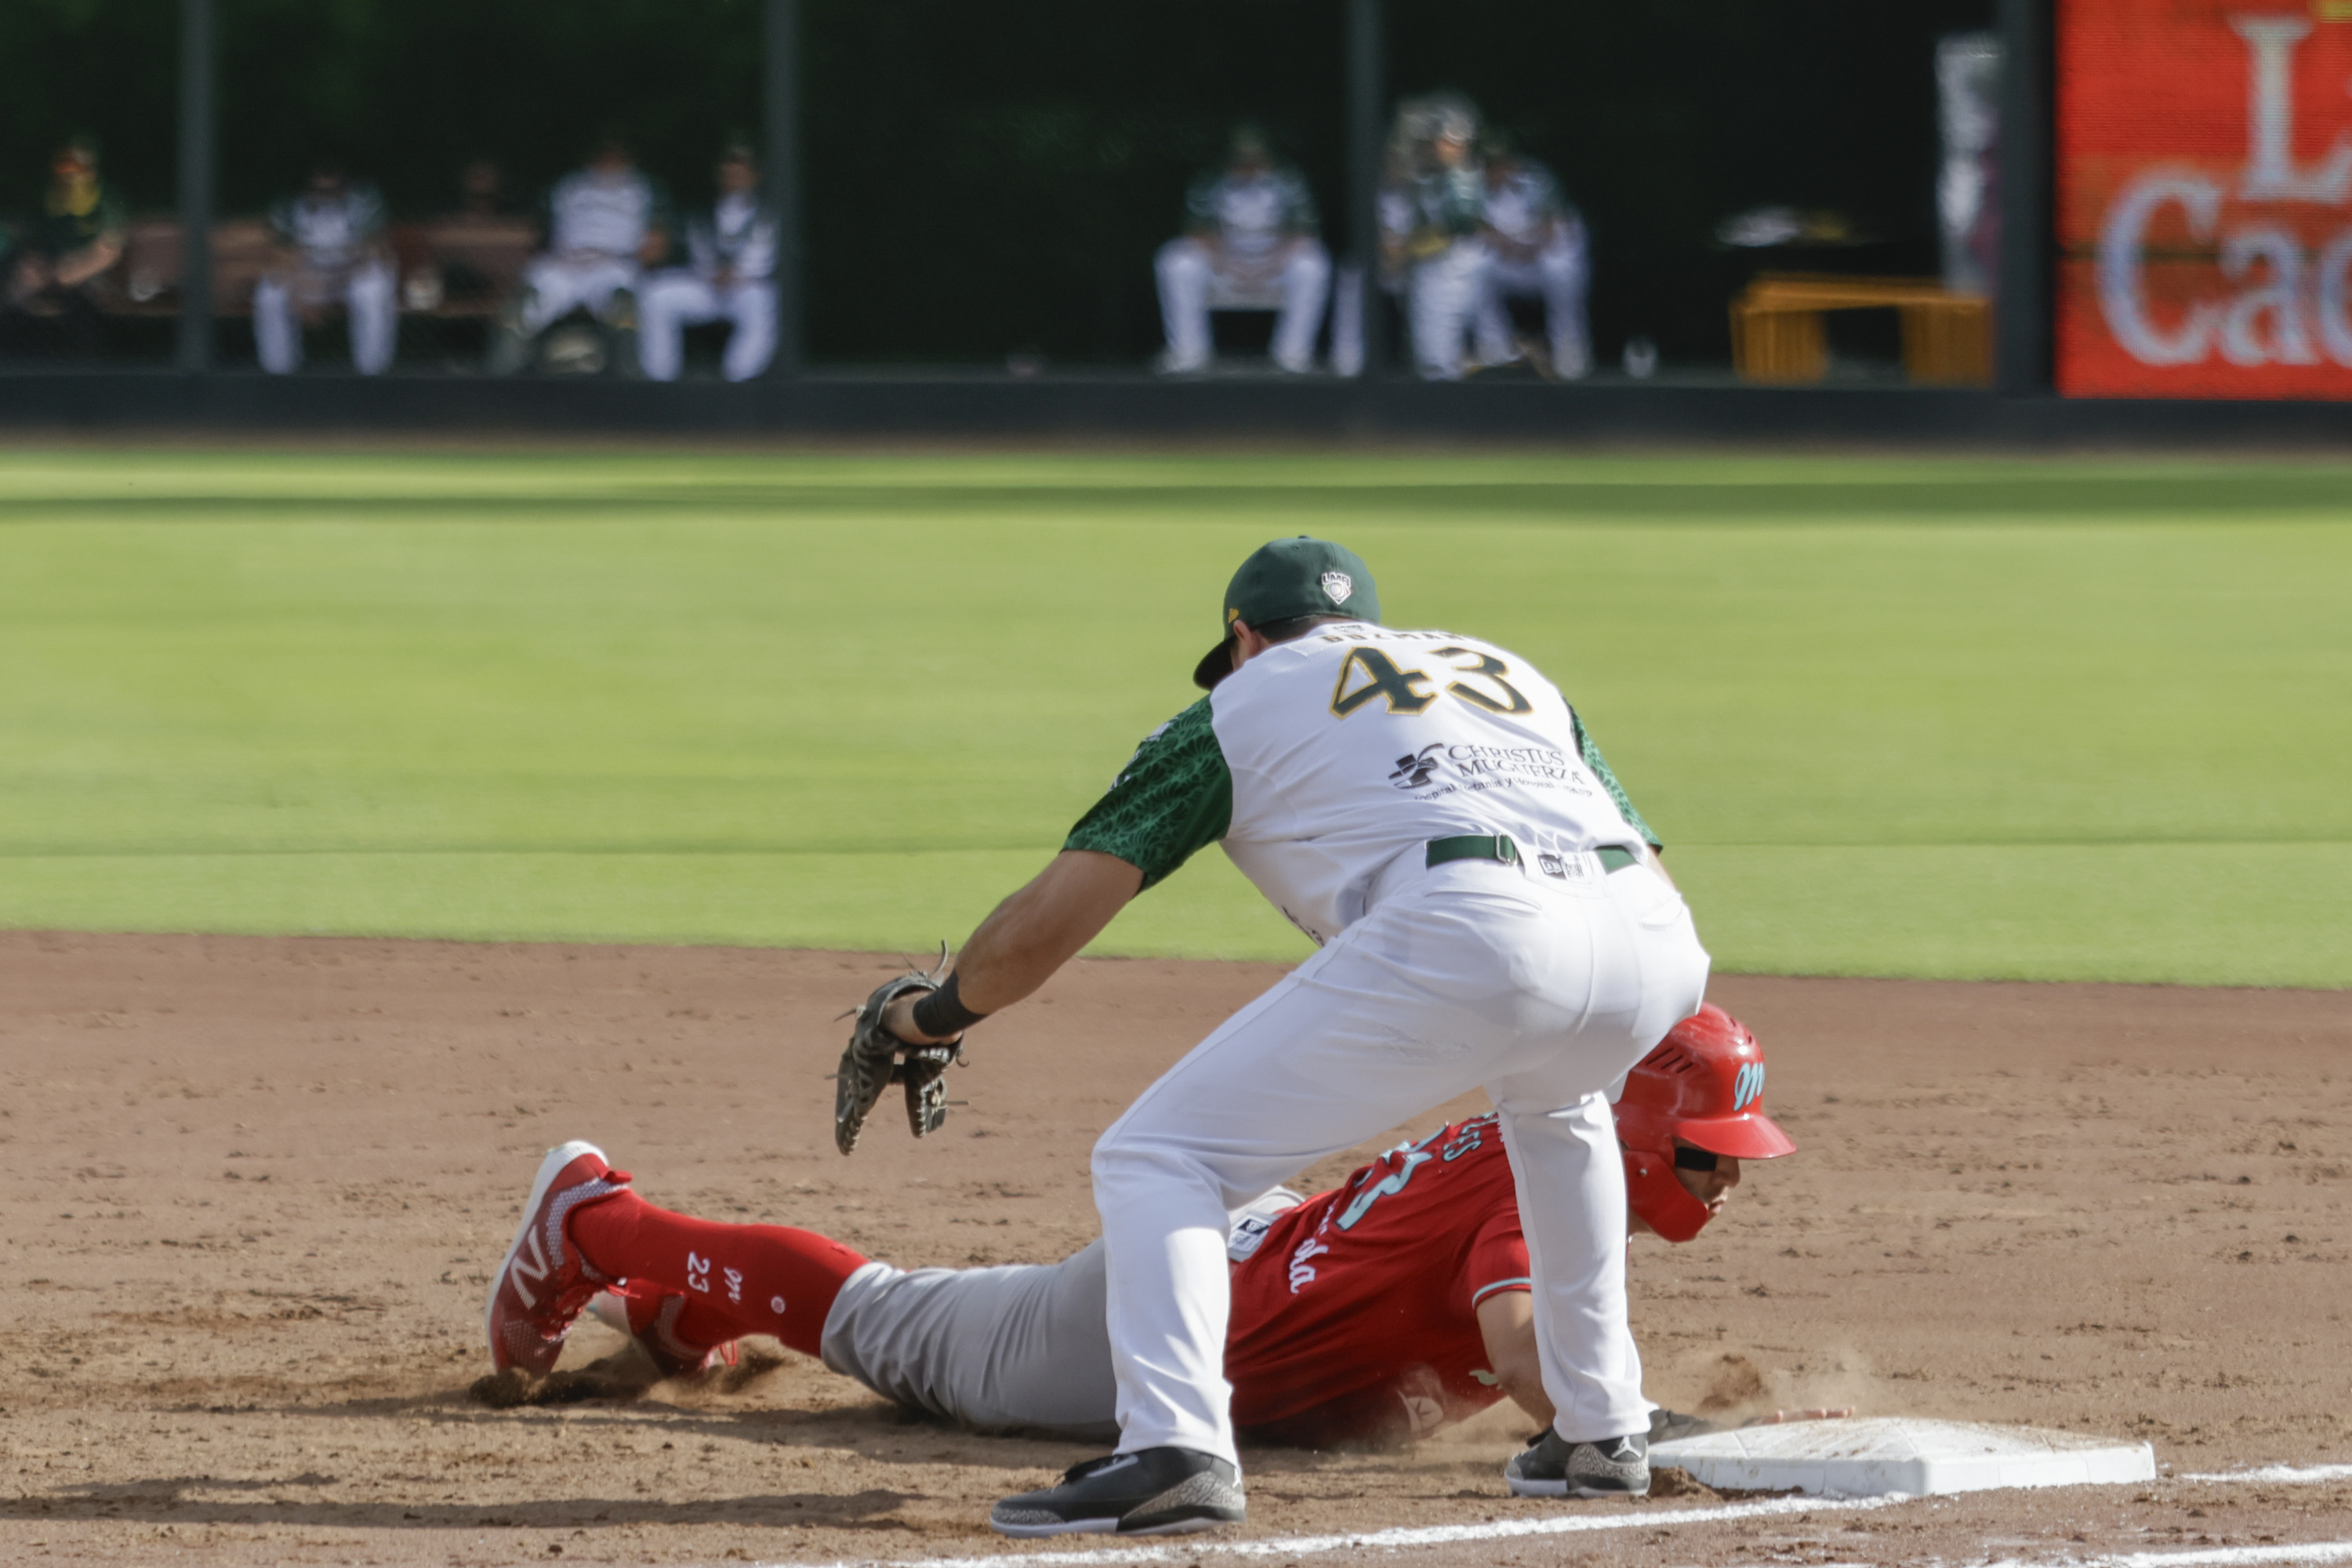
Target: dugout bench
x: 450, y: 269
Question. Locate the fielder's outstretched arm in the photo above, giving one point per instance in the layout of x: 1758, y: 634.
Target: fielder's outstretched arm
x: 1031, y: 934
x: 1507, y: 1322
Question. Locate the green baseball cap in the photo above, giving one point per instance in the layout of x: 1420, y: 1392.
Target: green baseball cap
x: 1285, y: 580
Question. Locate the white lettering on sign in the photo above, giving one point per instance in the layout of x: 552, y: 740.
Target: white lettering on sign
x: 2123, y: 296
x: 2288, y: 305
x: 2271, y: 175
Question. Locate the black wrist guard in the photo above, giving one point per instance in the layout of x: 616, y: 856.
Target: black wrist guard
x: 943, y: 1014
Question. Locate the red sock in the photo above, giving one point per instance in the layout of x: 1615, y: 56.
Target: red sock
x: 762, y: 1278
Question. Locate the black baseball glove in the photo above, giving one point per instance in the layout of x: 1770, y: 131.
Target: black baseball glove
x: 876, y: 1058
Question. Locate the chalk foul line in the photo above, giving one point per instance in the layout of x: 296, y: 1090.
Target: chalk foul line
x: 2276, y: 1475
x: 2201, y: 1557
x: 1292, y: 1546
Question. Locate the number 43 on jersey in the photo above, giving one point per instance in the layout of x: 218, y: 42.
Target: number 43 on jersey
x: 1378, y: 678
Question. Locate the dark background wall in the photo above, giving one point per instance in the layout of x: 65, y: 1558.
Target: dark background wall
x: 988, y: 179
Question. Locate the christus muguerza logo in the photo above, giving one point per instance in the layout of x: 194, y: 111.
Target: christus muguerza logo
x: 1413, y: 771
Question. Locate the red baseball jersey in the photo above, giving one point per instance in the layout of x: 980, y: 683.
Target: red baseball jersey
x: 1355, y: 1320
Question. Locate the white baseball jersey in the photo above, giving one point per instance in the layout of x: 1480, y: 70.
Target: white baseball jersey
x: 1253, y: 214
x: 331, y: 235
x: 736, y: 235
x: 1523, y: 205
x: 1323, y: 760
x: 600, y: 215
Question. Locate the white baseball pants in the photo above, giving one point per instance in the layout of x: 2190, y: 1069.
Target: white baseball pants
x: 1558, y: 275
x: 1470, y: 973
x: 1189, y: 272
x: 555, y: 286
x: 673, y: 301
x: 366, y: 291
x: 1348, y: 317
x: 1441, y: 301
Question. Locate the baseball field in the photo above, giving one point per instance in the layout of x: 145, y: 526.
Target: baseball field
x: 372, y: 820
x: 1961, y: 718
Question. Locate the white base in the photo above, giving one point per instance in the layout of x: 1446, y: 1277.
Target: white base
x: 1879, y: 1455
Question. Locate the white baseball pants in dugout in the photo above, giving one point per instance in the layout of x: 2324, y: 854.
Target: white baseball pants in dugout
x: 1190, y: 274
x: 555, y: 286
x: 1442, y: 297
x: 1557, y: 275
x: 366, y: 293
x: 1544, y: 992
x: 673, y: 301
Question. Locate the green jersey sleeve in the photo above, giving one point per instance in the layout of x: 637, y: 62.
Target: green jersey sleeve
x: 1600, y: 766
x: 1174, y: 796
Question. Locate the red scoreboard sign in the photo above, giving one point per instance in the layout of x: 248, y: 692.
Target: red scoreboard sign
x: 2204, y: 198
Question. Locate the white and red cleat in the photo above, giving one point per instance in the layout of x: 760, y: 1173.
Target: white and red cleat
x: 649, y: 1314
x: 542, y: 1284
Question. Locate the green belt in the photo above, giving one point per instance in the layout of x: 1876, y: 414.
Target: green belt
x: 1501, y: 847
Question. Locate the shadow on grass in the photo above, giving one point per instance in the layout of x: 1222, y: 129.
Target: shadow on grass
x: 2087, y: 498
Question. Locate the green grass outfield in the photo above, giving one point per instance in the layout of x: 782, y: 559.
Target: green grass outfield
x: 1966, y: 718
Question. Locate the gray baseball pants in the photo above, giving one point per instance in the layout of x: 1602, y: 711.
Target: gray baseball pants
x: 1025, y: 1347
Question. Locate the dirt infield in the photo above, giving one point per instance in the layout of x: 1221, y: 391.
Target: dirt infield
x: 258, y: 1185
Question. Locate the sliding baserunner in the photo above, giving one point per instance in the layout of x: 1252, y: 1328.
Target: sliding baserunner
x: 1368, y: 1315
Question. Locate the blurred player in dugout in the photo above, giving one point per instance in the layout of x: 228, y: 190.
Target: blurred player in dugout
x: 606, y: 223
x: 1536, y: 249
x: 729, y: 276
x: 330, y: 250
x: 1468, y: 224
x: 1372, y: 1314
x: 58, y: 259
x: 1251, y: 242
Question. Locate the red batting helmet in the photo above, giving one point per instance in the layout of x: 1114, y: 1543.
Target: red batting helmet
x: 1704, y: 1084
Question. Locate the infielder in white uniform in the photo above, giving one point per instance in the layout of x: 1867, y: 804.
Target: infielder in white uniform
x: 1490, y: 912
x: 1537, y: 249
x: 332, y: 250
x: 1251, y: 229
x: 729, y: 276
x: 605, y: 222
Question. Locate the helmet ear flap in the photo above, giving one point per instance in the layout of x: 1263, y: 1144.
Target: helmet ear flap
x: 1659, y: 1198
